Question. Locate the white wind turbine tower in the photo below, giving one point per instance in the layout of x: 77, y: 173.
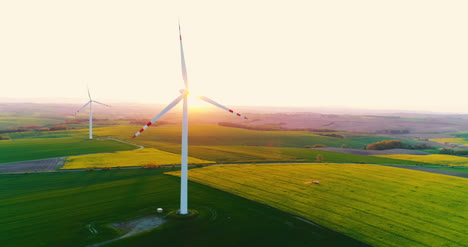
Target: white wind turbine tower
x: 183, y: 96
x: 90, y: 103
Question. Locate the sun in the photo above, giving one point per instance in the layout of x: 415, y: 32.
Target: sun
x: 196, y: 103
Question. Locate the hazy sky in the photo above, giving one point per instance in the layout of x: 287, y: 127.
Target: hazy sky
x: 367, y: 54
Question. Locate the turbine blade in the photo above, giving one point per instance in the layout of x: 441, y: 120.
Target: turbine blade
x: 221, y: 106
x: 164, y: 111
x: 89, y: 94
x: 182, y: 60
x: 101, y: 103
x: 83, y: 107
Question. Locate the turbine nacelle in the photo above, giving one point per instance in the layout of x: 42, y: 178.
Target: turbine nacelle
x: 184, y: 91
x: 90, y: 103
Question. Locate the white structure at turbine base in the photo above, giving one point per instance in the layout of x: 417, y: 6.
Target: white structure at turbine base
x: 90, y: 103
x: 184, y: 152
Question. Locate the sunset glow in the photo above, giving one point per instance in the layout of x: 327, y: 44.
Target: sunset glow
x: 364, y: 54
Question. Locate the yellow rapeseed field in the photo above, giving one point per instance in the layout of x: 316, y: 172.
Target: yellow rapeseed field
x: 440, y: 159
x: 141, y: 157
x: 381, y: 206
x: 450, y: 140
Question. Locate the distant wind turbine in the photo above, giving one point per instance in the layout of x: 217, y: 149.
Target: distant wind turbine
x: 90, y: 103
x: 183, y: 96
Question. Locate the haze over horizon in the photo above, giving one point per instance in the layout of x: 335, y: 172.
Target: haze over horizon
x: 407, y: 55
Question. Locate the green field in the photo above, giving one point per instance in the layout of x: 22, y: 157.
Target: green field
x: 366, y: 140
x: 7, y: 122
x: 42, y: 148
x: 58, y: 209
x: 453, y: 169
x: 141, y: 157
x: 207, y: 142
x: 223, y: 154
x: 231, y: 145
x: 382, y: 206
x: 213, y: 135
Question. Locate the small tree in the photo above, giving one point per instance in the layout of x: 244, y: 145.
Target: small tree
x: 319, y: 158
x: 319, y: 146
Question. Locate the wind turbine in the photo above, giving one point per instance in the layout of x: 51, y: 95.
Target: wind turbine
x: 183, y: 96
x: 90, y: 103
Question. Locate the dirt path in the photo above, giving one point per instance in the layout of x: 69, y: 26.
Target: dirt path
x: 140, y: 146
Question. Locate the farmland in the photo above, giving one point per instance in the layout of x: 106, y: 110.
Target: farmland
x: 382, y: 206
x: 212, y: 135
x: 228, y: 145
x: 239, y: 146
x: 440, y: 159
x: 450, y: 140
x: 8, y: 122
x: 61, y: 209
x: 42, y: 148
x: 141, y: 157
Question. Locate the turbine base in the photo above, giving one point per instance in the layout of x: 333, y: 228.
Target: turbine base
x: 176, y: 215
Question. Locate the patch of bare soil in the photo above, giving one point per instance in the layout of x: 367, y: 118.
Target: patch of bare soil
x: 133, y: 227
x: 374, y: 152
x: 44, y: 165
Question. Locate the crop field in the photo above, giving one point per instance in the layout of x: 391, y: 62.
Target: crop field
x: 81, y: 133
x: 7, y: 122
x: 450, y: 140
x: 439, y: 159
x: 42, y: 148
x: 458, y: 137
x: 141, y: 157
x: 453, y: 169
x: 207, y: 142
x: 74, y: 209
x: 366, y: 140
x: 213, y: 135
x: 381, y: 206
x: 230, y: 145
x: 223, y: 154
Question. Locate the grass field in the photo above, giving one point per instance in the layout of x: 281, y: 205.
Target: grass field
x: 382, y: 206
x: 141, y: 157
x: 42, y: 148
x: 58, y: 209
x: 7, y: 122
x: 439, y: 159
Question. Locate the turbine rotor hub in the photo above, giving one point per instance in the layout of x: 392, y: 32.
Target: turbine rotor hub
x: 184, y: 91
